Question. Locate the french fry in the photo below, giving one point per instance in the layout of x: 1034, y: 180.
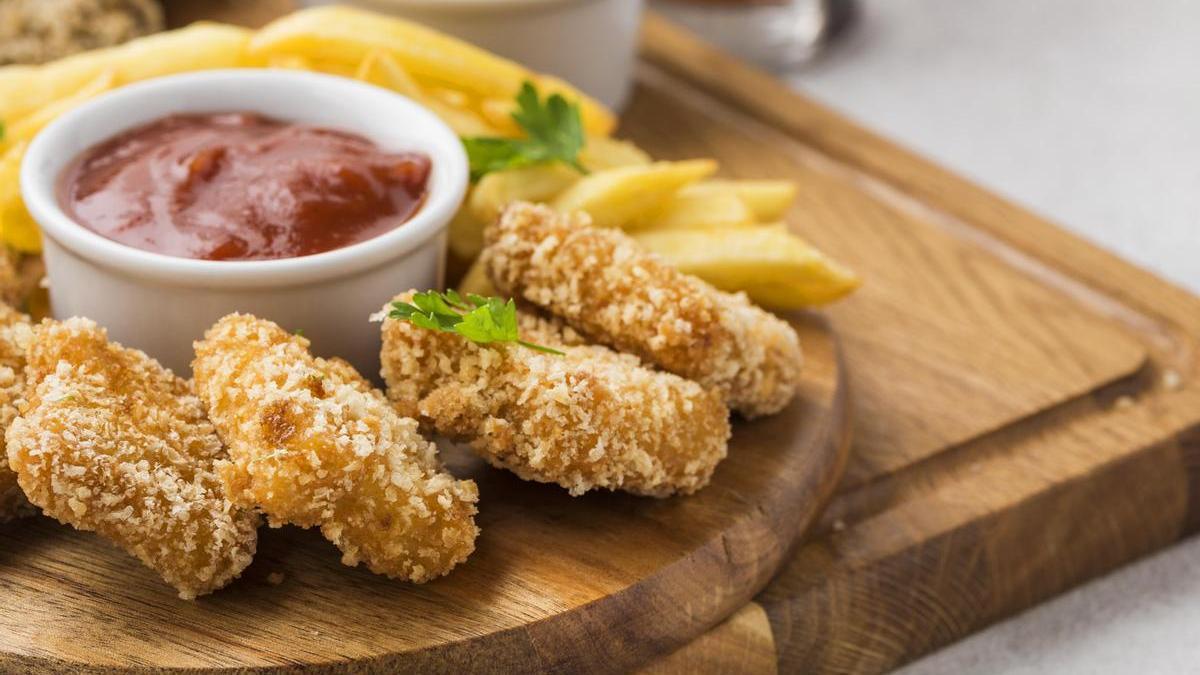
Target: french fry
x: 17, y: 93
x: 768, y: 200
x: 465, y: 234
x: 380, y: 69
x: 451, y: 97
x: 602, y: 152
x: 703, y: 226
x: 200, y: 46
x: 27, y: 127
x: 539, y: 183
x: 17, y: 228
x: 498, y: 113
x: 463, y: 122
x: 626, y: 195
x: 349, y: 35
x: 332, y: 68
x: 699, y: 207
x: 290, y: 62
x: 773, y: 266
x: 476, y: 281
x: 495, y: 191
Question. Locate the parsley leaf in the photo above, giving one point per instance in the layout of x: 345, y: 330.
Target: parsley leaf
x: 557, y: 126
x: 553, y: 129
x: 494, y: 322
x: 488, y: 155
x: 479, y: 319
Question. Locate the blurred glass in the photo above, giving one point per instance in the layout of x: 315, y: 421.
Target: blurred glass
x: 777, y: 34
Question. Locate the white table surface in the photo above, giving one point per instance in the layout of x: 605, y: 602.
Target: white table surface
x: 1088, y: 112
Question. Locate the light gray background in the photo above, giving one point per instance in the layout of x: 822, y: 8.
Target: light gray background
x: 1088, y: 112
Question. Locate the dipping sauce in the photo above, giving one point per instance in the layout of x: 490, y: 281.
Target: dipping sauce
x: 241, y: 186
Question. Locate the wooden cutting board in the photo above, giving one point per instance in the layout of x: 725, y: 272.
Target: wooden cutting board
x: 1027, y: 415
x: 1027, y: 411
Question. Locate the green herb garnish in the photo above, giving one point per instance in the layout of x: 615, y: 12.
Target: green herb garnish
x: 554, y: 131
x: 479, y: 319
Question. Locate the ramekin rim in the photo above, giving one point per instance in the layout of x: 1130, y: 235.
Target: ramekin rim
x: 447, y: 187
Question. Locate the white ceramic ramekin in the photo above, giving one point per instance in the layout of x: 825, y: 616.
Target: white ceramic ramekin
x: 589, y: 43
x: 160, y: 304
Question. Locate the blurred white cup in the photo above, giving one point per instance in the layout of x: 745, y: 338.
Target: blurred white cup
x: 590, y: 43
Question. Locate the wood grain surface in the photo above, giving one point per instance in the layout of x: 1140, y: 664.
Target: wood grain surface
x: 1027, y: 407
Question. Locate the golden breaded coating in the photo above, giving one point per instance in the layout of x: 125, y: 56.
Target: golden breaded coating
x: 37, y: 31
x: 312, y: 443
x: 13, y: 287
x: 108, y: 440
x: 591, y: 419
x: 615, y: 293
x: 15, y: 335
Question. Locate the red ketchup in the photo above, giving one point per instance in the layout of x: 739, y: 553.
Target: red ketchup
x: 240, y: 186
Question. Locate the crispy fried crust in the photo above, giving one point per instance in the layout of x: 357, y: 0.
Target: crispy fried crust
x: 108, y: 440
x: 312, y: 443
x: 36, y: 31
x: 590, y: 419
x: 15, y: 335
x: 615, y: 293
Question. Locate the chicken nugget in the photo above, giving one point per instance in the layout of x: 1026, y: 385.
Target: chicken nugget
x: 108, y: 440
x: 312, y: 443
x: 37, y: 31
x: 590, y: 419
x: 15, y: 335
x: 604, y: 285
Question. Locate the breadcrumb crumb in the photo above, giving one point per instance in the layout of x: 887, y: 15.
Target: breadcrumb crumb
x: 591, y: 419
x: 602, y: 283
x: 1172, y: 380
x: 313, y: 444
x: 108, y: 440
x: 15, y: 335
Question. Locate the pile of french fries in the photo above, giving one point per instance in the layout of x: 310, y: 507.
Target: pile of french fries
x: 728, y: 232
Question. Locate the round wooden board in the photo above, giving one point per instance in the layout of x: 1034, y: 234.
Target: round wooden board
x: 596, y: 583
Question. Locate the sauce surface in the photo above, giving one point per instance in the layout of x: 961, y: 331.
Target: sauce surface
x: 240, y: 186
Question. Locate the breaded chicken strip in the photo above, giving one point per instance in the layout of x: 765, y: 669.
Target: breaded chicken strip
x: 615, y: 293
x: 312, y: 443
x: 15, y: 335
x: 590, y: 419
x: 108, y: 440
